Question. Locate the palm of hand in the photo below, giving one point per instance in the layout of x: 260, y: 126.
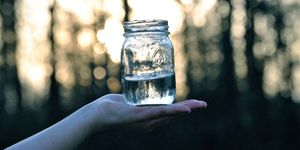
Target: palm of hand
x: 116, y: 113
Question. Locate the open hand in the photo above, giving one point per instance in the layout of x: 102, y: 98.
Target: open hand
x: 114, y: 113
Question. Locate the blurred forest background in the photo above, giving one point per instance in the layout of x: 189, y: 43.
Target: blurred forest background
x: 241, y: 56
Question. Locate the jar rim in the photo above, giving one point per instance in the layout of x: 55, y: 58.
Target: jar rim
x: 151, y: 25
x: 146, y: 22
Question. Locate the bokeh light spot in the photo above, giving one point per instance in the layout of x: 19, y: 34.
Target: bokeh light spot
x: 85, y: 37
x: 99, y: 73
x: 113, y: 84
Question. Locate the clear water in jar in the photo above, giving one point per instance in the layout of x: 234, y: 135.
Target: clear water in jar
x: 149, y: 89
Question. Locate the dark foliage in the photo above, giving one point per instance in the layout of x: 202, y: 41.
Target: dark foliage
x: 234, y: 120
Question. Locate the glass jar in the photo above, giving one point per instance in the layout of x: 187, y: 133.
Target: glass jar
x: 147, y: 63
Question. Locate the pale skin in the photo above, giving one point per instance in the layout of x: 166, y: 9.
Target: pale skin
x: 105, y: 113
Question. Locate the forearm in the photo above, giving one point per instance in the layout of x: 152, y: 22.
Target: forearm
x: 105, y: 113
x: 66, y: 134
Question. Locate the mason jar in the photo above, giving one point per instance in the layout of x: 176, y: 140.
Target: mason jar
x: 147, y: 63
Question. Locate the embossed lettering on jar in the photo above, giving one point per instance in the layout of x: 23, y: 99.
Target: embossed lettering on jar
x: 147, y: 63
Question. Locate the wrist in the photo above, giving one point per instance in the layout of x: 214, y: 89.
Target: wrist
x: 86, y: 118
x: 91, y: 116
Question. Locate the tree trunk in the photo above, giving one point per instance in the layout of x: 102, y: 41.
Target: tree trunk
x: 9, y: 74
x: 54, y: 106
x: 254, y: 73
x: 127, y: 10
x: 228, y: 83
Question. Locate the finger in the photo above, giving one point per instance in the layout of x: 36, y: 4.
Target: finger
x: 153, y: 124
x: 145, y: 125
x: 193, y: 104
x: 151, y: 112
x: 149, y: 125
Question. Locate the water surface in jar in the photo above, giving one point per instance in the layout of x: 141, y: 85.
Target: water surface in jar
x: 151, y: 89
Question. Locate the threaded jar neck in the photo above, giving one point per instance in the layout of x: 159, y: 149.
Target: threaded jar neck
x: 146, y: 26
